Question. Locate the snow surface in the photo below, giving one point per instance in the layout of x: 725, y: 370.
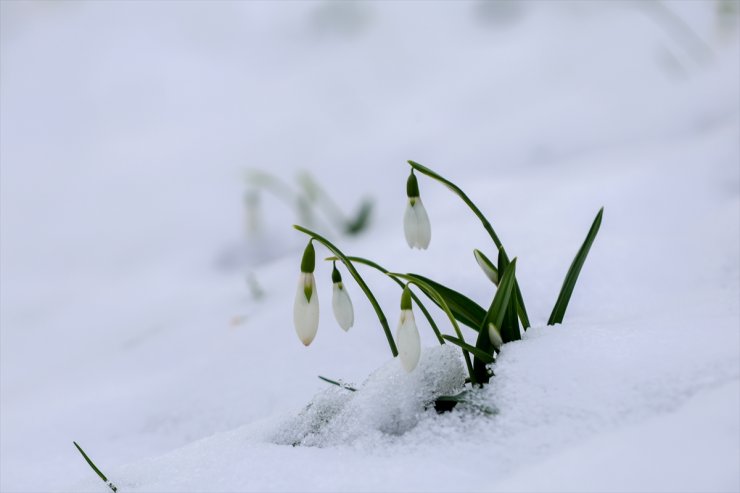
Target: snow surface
x: 126, y: 323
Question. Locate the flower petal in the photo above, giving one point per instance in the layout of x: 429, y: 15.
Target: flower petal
x: 410, y: 225
x: 305, y: 311
x: 407, y: 339
x: 495, y: 336
x: 424, y: 228
x: 342, y: 306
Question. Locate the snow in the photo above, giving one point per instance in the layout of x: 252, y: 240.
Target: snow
x: 127, y: 325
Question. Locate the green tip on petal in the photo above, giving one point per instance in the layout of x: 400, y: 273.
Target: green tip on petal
x: 308, y: 291
x: 335, y: 275
x: 406, y: 299
x: 308, y: 264
x: 412, y: 186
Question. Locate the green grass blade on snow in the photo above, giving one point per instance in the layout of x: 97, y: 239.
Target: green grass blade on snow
x: 558, y: 311
x: 95, y: 468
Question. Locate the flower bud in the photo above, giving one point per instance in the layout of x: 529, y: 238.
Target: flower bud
x: 407, y: 335
x: 416, y: 226
x: 495, y: 336
x: 486, y: 266
x: 340, y: 302
x: 306, y: 305
x: 306, y: 308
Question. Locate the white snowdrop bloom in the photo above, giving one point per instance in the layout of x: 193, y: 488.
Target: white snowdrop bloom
x: 416, y: 224
x: 306, y: 306
x: 495, y: 336
x: 486, y: 266
x: 407, y: 335
x: 341, y: 303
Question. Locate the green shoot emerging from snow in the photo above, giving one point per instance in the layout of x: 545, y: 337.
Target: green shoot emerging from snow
x: 495, y: 327
x: 95, y: 468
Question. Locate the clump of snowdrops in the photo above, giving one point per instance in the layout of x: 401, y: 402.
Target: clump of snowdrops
x: 501, y: 323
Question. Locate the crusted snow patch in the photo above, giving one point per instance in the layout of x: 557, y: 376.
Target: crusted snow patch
x: 389, y: 402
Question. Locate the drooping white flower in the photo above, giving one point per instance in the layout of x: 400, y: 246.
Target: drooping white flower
x: 416, y: 224
x: 407, y: 335
x: 306, y: 306
x: 341, y: 303
x: 495, y: 336
x: 486, y: 266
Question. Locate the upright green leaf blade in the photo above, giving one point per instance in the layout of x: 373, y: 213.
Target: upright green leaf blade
x: 495, y: 315
x: 464, y: 309
x: 558, y: 311
x: 95, y: 468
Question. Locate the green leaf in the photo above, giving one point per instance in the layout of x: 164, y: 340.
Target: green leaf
x: 558, y: 311
x: 361, y: 219
x: 464, y: 309
x: 495, y: 315
x: 95, y: 468
x: 485, y: 357
x: 338, y: 384
x: 518, y: 301
x: 520, y: 309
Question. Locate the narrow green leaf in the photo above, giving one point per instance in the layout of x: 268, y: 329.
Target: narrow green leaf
x: 361, y: 219
x: 518, y: 301
x: 95, y: 468
x: 558, y: 311
x: 338, y: 384
x: 495, y: 315
x: 485, y: 357
x: 463, y: 308
x: 520, y: 308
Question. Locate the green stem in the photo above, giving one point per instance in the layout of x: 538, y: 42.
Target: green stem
x: 486, y: 225
x: 351, y: 268
x: 442, y: 303
x: 370, y: 263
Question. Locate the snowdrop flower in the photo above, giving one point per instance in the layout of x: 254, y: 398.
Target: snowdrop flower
x: 415, y: 220
x: 487, y: 266
x: 340, y: 302
x: 407, y: 335
x: 306, y: 307
x: 495, y: 336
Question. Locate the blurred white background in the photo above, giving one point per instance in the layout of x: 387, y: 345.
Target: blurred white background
x: 126, y: 129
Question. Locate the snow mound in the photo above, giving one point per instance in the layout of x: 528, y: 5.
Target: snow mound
x: 389, y: 402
